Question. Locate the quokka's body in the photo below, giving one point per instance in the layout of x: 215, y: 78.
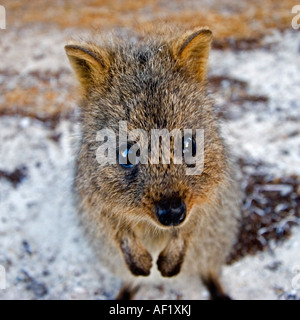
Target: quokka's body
x: 154, y: 216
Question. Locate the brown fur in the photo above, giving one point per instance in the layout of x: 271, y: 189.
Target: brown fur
x: 157, y: 83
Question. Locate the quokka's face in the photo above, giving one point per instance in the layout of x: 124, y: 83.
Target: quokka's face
x: 137, y: 154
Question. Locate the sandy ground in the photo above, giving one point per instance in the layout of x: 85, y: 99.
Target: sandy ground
x: 43, y: 248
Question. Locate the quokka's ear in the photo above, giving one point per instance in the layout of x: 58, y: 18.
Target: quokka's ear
x: 192, y: 50
x: 89, y: 61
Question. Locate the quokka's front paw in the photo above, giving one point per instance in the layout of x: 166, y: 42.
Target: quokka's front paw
x: 141, y: 264
x: 171, y: 258
x: 169, y: 265
x: 137, y: 258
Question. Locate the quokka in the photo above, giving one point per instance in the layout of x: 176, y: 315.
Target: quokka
x: 147, y: 217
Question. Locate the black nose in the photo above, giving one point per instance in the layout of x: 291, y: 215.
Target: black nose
x: 171, y: 212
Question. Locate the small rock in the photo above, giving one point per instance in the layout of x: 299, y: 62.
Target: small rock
x: 26, y: 247
x: 274, y: 266
x: 39, y: 289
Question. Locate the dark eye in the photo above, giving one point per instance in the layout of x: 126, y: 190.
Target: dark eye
x: 188, y: 147
x: 127, y: 158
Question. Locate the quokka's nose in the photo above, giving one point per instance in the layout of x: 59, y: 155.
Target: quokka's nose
x: 171, y: 212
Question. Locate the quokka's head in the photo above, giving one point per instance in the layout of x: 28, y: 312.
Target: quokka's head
x: 157, y: 83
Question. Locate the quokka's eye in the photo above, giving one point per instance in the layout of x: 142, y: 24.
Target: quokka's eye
x: 127, y: 158
x: 188, y: 146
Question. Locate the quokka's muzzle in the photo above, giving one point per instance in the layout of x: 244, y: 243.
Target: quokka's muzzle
x: 171, y: 212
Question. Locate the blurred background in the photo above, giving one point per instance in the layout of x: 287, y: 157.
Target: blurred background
x: 254, y: 78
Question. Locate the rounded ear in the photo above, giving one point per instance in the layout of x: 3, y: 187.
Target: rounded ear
x: 192, y: 50
x: 89, y: 62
